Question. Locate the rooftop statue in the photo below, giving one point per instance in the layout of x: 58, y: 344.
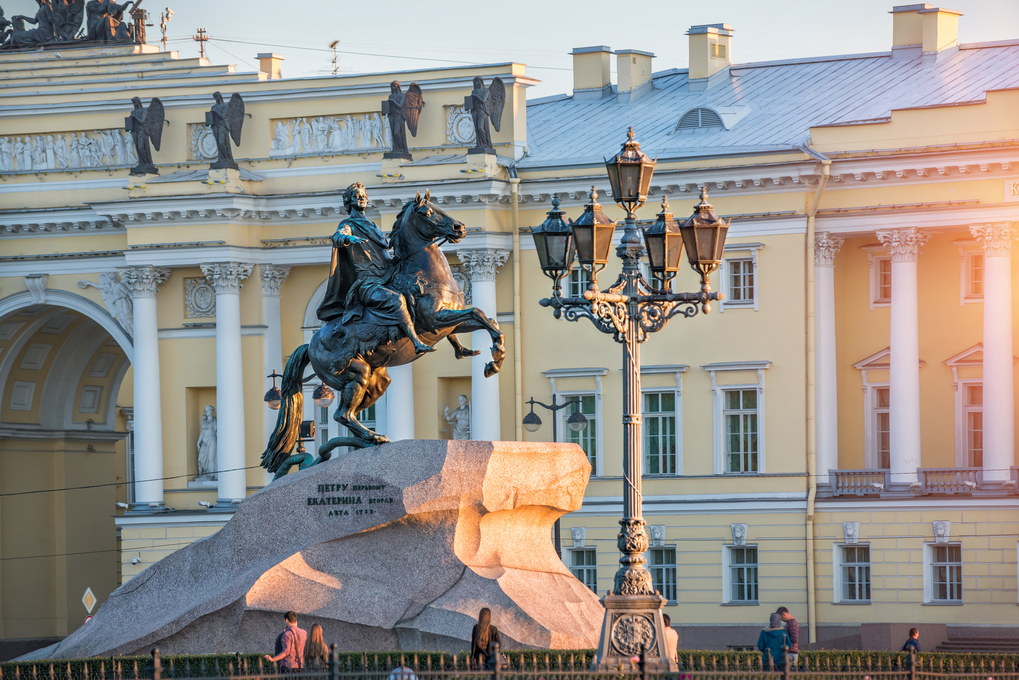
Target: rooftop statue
x: 226, y: 120
x: 366, y: 329
x: 106, y: 21
x: 43, y: 32
x: 399, y: 108
x: 485, y: 104
x: 67, y: 15
x: 145, y: 126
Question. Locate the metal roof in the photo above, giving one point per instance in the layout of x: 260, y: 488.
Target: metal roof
x: 768, y: 106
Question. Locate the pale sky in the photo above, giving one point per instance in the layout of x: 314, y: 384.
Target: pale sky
x: 400, y: 34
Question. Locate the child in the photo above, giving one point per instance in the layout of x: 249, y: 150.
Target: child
x: 912, y: 645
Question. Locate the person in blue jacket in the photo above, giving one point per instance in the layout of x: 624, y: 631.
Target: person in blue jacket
x: 776, y: 640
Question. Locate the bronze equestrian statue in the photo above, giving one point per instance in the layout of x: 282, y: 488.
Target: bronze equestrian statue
x: 367, y: 327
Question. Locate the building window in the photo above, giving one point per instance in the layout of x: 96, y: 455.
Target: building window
x: 322, y: 426
x: 663, y: 572
x: 740, y: 417
x: 973, y: 417
x: 741, y: 288
x: 974, y: 275
x: 742, y: 573
x: 579, y: 281
x: 587, y: 438
x: 659, y: 418
x: 855, y: 571
x: 583, y: 564
x: 882, y: 427
x: 882, y: 289
x: 945, y: 573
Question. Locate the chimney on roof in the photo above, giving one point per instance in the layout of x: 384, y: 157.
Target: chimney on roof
x: 710, y: 46
x: 592, y: 77
x: 923, y: 30
x: 633, y: 68
x: 271, y: 63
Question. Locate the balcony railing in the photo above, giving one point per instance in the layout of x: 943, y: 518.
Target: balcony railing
x: 858, y: 482
x: 948, y: 480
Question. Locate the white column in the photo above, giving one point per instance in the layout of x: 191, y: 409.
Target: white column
x: 480, y: 265
x: 999, y: 397
x: 148, y: 416
x: 400, y: 403
x: 825, y: 248
x: 272, y: 278
x: 904, y: 409
x: 226, y: 278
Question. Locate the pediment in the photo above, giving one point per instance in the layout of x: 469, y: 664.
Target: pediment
x: 879, y: 361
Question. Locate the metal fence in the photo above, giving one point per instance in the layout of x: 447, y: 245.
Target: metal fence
x: 524, y: 666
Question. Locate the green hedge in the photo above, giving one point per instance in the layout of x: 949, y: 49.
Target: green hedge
x: 216, y: 665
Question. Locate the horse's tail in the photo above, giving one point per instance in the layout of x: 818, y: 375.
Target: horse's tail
x: 288, y: 422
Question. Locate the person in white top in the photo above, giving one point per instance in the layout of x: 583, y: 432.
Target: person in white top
x: 671, y: 638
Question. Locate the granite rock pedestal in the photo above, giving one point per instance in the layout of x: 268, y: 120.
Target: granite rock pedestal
x: 395, y: 547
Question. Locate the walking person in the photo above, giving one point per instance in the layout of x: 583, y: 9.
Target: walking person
x: 316, y: 653
x: 774, y: 640
x: 671, y: 639
x: 484, y: 636
x: 291, y: 658
x: 912, y: 645
x: 792, y: 627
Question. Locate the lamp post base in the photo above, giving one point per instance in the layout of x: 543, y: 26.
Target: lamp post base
x: 634, y: 623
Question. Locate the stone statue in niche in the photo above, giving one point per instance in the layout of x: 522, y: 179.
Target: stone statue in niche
x: 460, y: 418
x: 485, y: 104
x: 402, y: 107
x: 117, y: 297
x: 145, y: 126
x: 226, y: 120
x: 207, y: 460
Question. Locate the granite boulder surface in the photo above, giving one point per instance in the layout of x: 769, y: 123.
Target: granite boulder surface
x: 395, y: 547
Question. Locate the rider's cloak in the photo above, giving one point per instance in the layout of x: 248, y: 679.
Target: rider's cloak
x: 358, y: 274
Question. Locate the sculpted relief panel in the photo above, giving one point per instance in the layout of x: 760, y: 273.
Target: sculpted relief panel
x: 330, y: 134
x: 459, y: 126
x: 67, y: 151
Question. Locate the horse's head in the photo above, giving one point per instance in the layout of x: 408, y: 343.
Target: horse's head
x: 432, y: 222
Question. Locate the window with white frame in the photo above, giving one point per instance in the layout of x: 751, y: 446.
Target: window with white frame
x: 741, y: 575
x: 579, y: 281
x: 660, y: 440
x: 881, y: 417
x: 741, y: 427
x: 741, y: 288
x: 738, y: 416
x: 584, y: 565
x: 853, y: 572
x: 881, y: 281
x: 738, y: 276
x: 662, y: 564
x: 587, y: 438
x: 973, y: 423
x: 944, y: 572
x: 974, y: 272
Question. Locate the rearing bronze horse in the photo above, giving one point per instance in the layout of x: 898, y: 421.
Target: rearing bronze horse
x: 352, y: 358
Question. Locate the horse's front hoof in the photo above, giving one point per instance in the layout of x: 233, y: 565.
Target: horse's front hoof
x: 491, y: 369
x: 380, y: 439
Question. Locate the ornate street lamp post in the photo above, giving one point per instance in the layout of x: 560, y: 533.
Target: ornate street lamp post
x: 631, y: 309
x: 576, y: 422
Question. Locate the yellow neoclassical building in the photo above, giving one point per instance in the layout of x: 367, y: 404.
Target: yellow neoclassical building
x: 826, y: 439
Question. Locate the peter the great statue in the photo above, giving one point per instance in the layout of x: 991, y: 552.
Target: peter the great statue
x: 388, y: 302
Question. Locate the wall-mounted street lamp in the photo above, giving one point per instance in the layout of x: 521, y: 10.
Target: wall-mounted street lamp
x: 630, y: 310
x: 576, y: 422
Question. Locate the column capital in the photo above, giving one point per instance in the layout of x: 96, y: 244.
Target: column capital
x: 273, y: 277
x: 144, y: 281
x: 996, y: 238
x: 226, y: 277
x: 903, y: 244
x: 480, y: 264
x: 825, y: 248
